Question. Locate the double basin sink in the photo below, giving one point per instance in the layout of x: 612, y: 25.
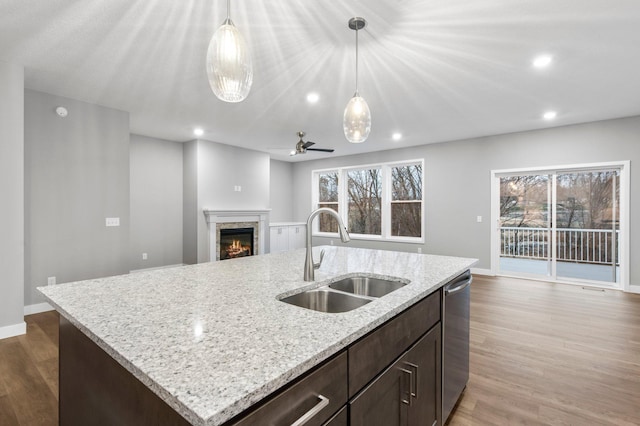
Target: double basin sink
x: 344, y: 295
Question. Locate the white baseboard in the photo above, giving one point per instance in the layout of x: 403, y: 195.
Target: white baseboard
x: 157, y: 267
x: 37, y: 308
x: 480, y: 271
x: 13, y: 330
x: 634, y: 289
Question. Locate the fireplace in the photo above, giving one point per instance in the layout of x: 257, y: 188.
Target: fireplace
x: 236, y: 242
x: 222, y: 220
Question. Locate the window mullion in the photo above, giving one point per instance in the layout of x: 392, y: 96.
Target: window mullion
x: 386, y: 201
x: 343, y: 200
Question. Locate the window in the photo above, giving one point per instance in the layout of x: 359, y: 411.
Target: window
x: 406, y: 201
x: 328, y: 197
x: 380, y: 201
x: 365, y: 201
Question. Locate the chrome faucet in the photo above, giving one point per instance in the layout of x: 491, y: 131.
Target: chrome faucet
x: 309, y: 266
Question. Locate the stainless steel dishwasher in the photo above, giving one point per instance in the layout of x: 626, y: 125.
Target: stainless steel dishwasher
x: 455, y: 341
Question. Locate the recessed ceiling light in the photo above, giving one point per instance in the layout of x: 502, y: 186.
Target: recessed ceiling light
x: 396, y: 136
x: 550, y: 115
x: 542, y: 61
x: 313, y: 97
x: 198, y: 131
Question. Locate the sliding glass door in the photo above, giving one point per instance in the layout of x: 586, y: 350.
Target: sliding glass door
x: 587, y: 231
x: 560, y: 225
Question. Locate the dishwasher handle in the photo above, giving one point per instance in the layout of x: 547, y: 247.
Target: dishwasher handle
x: 461, y: 285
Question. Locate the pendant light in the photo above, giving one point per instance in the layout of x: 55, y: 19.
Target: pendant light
x: 229, y: 66
x: 357, y: 117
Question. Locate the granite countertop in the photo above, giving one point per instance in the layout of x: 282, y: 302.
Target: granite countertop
x: 213, y: 339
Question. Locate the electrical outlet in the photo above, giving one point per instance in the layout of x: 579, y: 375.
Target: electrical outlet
x: 479, y: 219
x: 51, y: 280
x: 237, y: 188
x: 112, y: 221
x: 331, y: 242
x: 144, y: 256
x: 419, y: 250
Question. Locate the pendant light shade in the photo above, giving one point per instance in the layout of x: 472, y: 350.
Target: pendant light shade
x: 229, y: 67
x: 356, y: 122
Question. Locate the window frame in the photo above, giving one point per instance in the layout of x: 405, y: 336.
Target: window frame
x: 343, y: 200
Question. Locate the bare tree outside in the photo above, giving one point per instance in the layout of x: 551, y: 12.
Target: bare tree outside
x: 328, y: 197
x: 406, y: 201
x: 524, y: 206
x: 363, y: 194
x: 364, y: 188
x: 586, y: 202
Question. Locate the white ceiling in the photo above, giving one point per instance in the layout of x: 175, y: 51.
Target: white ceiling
x: 435, y: 70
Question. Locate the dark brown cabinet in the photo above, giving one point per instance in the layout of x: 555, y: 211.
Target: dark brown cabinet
x: 408, y: 392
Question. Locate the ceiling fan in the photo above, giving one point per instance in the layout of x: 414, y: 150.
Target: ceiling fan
x: 302, y: 147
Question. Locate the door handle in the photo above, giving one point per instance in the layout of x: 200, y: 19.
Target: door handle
x: 458, y: 288
x: 414, y: 382
x: 323, y: 402
x: 406, y: 400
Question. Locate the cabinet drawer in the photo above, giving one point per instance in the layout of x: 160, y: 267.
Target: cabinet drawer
x: 377, y: 350
x: 328, y: 381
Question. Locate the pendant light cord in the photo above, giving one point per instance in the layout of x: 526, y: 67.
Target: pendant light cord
x: 228, y: 9
x: 357, y: 61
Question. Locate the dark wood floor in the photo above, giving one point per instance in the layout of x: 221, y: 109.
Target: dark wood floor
x: 551, y: 354
x: 29, y: 374
x: 541, y: 354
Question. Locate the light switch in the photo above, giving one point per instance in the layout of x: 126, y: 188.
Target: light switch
x: 51, y: 280
x: 479, y: 219
x: 112, y: 221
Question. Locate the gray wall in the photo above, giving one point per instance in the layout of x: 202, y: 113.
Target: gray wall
x: 12, y: 196
x: 281, y: 190
x: 212, y: 170
x: 457, y: 180
x: 190, y: 202
x: 155, y: 202
x: 77, y: 172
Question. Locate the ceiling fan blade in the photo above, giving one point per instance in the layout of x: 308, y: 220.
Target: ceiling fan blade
x: 308, y: 144
x: 320, y: 149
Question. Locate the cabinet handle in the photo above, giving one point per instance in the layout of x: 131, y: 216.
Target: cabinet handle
x: 414, y: 382
x: 323, y: 402
x: 408, y: 399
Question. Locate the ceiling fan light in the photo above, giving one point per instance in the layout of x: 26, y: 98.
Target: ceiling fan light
x: 229, y: 67
x: 357, y: 120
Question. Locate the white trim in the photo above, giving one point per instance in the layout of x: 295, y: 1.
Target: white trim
x: 482, y: 271
x: 226, y: 216
x: 37, y: 308
x: 634, y: 289
x: 625, y: 193
x: 13, y: 330
x: 133, y: 271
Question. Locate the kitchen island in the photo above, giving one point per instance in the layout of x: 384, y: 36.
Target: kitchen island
x: 213, y: 339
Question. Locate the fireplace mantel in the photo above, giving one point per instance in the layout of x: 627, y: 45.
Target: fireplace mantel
x: 214, y: 217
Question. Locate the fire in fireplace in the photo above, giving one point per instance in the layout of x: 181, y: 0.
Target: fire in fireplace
x: 236, y: 242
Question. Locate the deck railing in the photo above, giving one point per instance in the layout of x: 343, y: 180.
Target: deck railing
x: 575, y: 245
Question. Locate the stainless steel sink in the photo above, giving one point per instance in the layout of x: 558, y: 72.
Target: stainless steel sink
x: 367, y: 286
x: 325, y: 300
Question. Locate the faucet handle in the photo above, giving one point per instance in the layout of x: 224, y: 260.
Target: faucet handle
x: 317, y: 265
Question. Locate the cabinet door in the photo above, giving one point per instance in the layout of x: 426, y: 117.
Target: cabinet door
x: 297, y: 237
x: 424, y: 362
x: 385, y: 402
x: 279, y: 239
x: 408, y: 392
